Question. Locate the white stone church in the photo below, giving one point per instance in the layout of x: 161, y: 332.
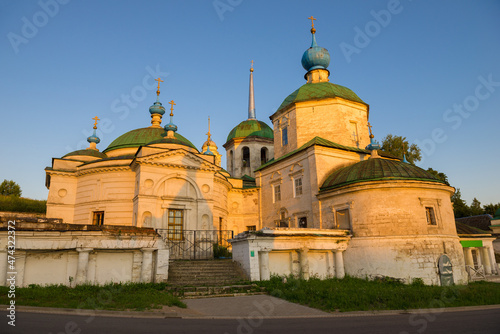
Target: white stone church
x: 313, y: 195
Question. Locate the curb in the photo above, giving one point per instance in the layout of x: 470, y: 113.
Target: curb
x: 173, y: 314
x: 96, y: 313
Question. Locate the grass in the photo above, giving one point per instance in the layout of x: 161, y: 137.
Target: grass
x: 348, y: 294
x: 354, y: 294
x: 21, y: 204
x: 115, y: 296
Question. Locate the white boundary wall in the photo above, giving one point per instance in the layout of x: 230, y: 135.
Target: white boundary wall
x: 56, y: 254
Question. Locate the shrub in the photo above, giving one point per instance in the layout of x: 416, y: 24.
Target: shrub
x: 21, y: 204
x: 221, y: 252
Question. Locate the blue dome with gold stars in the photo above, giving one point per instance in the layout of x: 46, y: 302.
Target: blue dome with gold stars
x: 315, y: 57
x: 157, y: 108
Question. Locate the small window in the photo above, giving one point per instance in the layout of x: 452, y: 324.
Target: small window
x: 298, y: 187
x: 251, y: 228
x: 431, y: 217
x: 246, y: 157
x: 98, y: 218
x: 230, y: 162
x: 342, y: 219
x: 263, y: 155
x: 175, y: 224
x: 284, y: 136
x: 303, y: 222
x: 277, y: 193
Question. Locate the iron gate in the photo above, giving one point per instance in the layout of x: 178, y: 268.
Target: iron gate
x: 197, y: 244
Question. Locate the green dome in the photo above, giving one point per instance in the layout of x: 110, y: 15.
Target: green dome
x: 319, y: 91
x: 144, y: 136
x: 179, y: 140
x: 250, y: 128
x: 377, y: 169
x: 86, y: 152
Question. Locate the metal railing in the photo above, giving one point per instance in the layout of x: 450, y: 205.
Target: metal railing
x: 475, y: 272
x: 196, y: 244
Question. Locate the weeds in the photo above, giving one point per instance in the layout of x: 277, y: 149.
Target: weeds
x: 354, y: 294
x: 113, y: 296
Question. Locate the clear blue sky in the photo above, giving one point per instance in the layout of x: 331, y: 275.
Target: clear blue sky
x: 429, y: 70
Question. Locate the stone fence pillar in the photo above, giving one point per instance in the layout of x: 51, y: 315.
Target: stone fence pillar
x: 83, y: 264
x: 265, y: 273
x: 304, y: 263
x: 147, y: 264
x: 339, y: 264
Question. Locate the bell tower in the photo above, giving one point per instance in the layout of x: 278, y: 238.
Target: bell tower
x: 250, y: 144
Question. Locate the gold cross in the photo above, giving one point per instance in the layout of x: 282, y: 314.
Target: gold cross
x: 251, y: 68
x: 172, y: 104
x: 159, y: 80
x: 312, y: 20
x: 95, y: 121
x: 209, y: 134
x: 370, y: 128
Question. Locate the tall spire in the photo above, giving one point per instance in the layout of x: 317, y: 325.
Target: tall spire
x: 251, y: 100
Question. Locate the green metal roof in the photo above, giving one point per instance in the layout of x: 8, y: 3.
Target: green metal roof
x: 144, y: 136
x: 179, y: 140
x: 87, y: 152
x: 121, y: 157
x: 248, y: 182
x: 466, y: 229
x: 377, y: 169
x: 319, y: 91
x: 325, y: 143
x: 251, y: 127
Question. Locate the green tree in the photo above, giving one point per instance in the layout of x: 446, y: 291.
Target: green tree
x: 460, y: 207
x: 397, y: 145
x: 491, y: 208
x: 475, y: 208
x: 442, y: 176
x: 10, y: 188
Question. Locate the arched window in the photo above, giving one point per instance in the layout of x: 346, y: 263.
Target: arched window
x: 246, y: 156
x: 230, y: 162
x: 284, y: 131
x: 263, y: 155
x: 284, y: 136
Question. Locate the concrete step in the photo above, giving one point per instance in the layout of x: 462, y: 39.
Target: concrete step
x: 204, y: 272
x: 207, y: 269
x: 217, y: 291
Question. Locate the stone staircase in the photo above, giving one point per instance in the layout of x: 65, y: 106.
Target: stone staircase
x: 205, y: 273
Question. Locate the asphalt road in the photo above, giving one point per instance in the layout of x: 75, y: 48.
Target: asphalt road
x: 477, y: 321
